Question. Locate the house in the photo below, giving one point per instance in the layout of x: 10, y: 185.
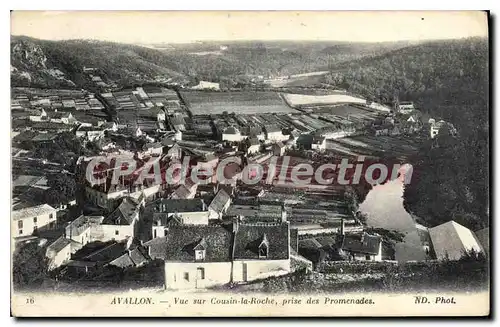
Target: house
x: 381, y: 130
x: 452, y: 240
x: 89, y: 132
x: 273, y: 133
x: 183, y: 211
x: 134, y: 257
x: 58, y: 252
x: 185, y: 191
x: 437, y: 127
x: 205, y: 256
x: 405, y: 107
x: 232, y: 134
x: 44, y: 139
x: 279, y: 149
x: 38, y: 115
x: 174, y: 152
x: 62, y: 117
x: 395, y: 131
x: 29, y: 220
x: 219, y: 204
x: 204, y: 85
x: 155, y: 148
x: 261, y: 250
x: 320, y: 248
x: 363, y: 247
x: 195, y: 256
x: 109, y: 126
x: 177, y: 122
x: 253, y: 145
x: 105, y: 195
x: 318, y: 143
x: 121, y: 223
x: 79, y: 230
x: 412, y: 119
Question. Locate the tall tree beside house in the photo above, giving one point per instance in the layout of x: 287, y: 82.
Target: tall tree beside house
x: 62, y: 189
x: 29, y: 266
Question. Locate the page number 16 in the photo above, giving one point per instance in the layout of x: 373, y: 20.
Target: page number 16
x: 30, y: 300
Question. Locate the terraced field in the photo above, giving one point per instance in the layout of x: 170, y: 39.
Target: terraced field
x: 244, y: 102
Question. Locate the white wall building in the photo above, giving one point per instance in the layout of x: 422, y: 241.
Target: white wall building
x: 452, y: 240
x: 29, y: 220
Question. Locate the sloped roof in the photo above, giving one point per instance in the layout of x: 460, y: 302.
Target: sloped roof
x: 58, y: 244
x: 253, y: 141
x: 180, y: 205
x: 181, y: 240
x: 177, y: 120
x: 452, y: 240
x: 309, y: 243
x: 272, y: 128
x: 123, y: 261
x: 107, y: 254
x: 32, y: 212
x: 362, y: 243
x: 249, y: 236
x: 123, y: 215
x: 219, y: 201
x: 231, y: 130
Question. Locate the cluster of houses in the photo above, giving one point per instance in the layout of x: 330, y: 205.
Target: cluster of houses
x: 197, y: 231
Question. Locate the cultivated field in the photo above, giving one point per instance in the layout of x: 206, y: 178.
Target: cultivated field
x: 373, y: 146
x: 312, y: 100
x: 245, y: 102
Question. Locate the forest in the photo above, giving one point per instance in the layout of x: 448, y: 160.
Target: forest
x: 448, y: 80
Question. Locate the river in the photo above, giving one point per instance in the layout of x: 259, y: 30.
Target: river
x: 384, y: 207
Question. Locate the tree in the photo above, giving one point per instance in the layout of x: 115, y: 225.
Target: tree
x: 29, y: 266
x: 62, y: 189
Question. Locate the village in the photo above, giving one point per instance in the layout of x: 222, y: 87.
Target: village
x: 216, y: 232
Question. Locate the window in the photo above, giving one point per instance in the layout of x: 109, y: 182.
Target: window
x: 20, y: 231
x: 34, y: 220
x: 117, y: 232
x: 50, y: 216
x: 199, y: 255
x: 186, y: 276
x: 35, y: 229
x: 20, y: 224
x: 200, y: 273
x: 263, y: 251
x: 154, y: 233
x: 164, y: 232
x: 367, y: 257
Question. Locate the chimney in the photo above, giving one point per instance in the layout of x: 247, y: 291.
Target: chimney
x: 283, y: 213
x: 236, y: 224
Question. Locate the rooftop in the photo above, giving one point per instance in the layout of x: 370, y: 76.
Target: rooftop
x: 32, y: 212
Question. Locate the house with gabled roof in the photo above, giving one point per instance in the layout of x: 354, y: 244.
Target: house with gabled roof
x: 451, y: 241
x: 29, y: 220
x: 363, y: 247
x: 261, y: 250
x: 219, y: 205
x: 195, y: 256
x: 121, y: 223
x: 273, y: 133
x: 178, y: 211
x: 198, y: 256
x: 232, y: 134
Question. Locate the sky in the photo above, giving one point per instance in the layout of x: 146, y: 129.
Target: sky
x: 143, y: 27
